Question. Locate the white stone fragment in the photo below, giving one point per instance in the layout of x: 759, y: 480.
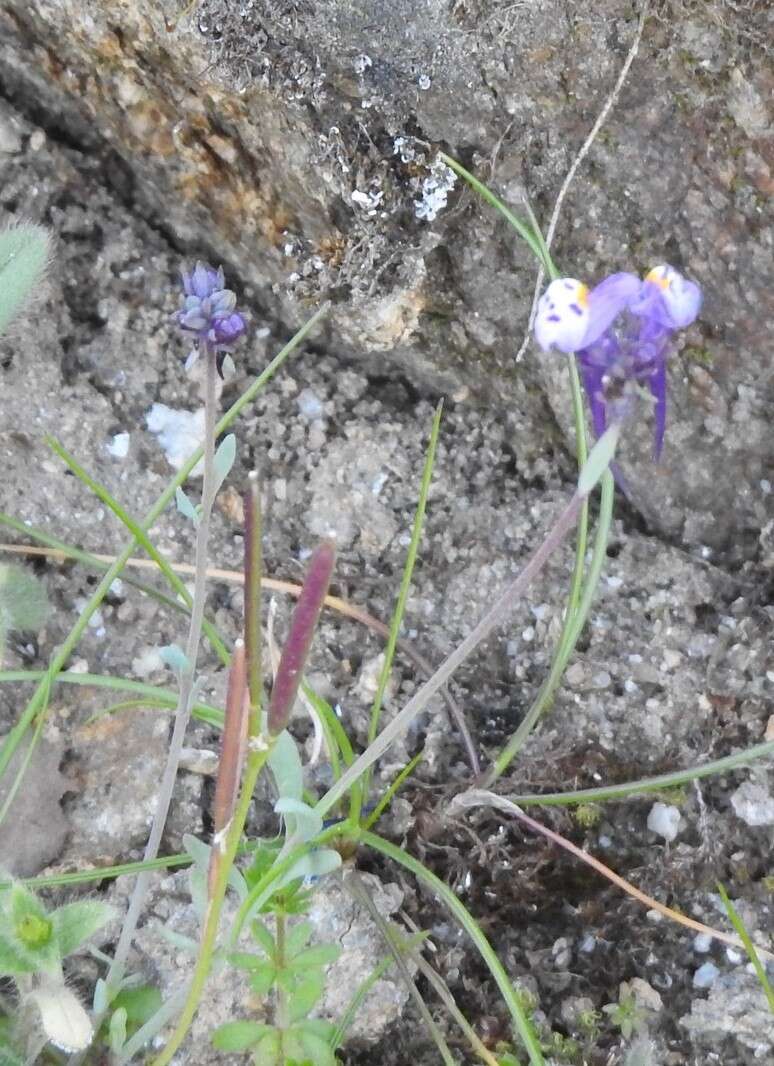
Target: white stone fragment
x: 180, y: 433
x: 702, y: 942
x: 119, y: 446
x: 753, y: 804
x: 706, y: 975
x: 664, y: 820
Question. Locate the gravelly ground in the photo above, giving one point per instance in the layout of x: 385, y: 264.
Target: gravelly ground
x: 676, y: 667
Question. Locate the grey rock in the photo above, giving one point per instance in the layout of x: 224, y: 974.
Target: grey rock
x: 300, y: 154
x: 735, y: 1010
x: 34, y: 830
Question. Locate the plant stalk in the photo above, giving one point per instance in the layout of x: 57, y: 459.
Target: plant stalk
x: 187, y: 678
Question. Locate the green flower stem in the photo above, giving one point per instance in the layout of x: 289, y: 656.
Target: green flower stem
x: 256, y: 760
x: 142, y: 539
x: 629, y: 789
x: 155, y: 696
x: 526, y: 233
x: 187, y: 678
x: 574, y: 622
x: 581, y: 452
x: 360, y: 790
x: 497, y: 613
x: 749, y: 947
x: 36, y: 702
x: 471, y: 927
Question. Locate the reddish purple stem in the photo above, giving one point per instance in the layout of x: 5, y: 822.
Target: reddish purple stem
x: 302, y: 627
x: 233, y: 743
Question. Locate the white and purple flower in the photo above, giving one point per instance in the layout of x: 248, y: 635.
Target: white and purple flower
x: 620, y: 332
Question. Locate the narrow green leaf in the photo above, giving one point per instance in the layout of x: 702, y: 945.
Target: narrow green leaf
x: 175, y: 658
x: 297, y: 938
x: 262, y: 978
x: 117, y: 1030
x: 238, y: 1036
x: 224, y: 459
x: 749, y: 947
x: 268, y: 1048
x: 318, y: 863
x: 75, y: 922
x: 303, y: 822
x: 24, y: 252
x: 316, y: 1047
x: 264, y: 938
x: 285, y: 765
x: 317, y: 955
x: 185, y: 507
x: 140, y: 1004
x: 600, y: 458
x: 305, y: 995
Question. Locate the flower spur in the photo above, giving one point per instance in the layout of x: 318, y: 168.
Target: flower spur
x: 620, y: 332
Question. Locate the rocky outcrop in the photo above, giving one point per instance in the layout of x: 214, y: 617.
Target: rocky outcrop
x: 295, y: 142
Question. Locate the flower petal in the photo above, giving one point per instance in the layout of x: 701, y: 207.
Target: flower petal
x: 681, y: 298
x: 562, y: 315
x: 593, y: 384
x: 607, y: 300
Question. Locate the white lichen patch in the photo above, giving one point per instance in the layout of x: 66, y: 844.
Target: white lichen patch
x: 435, y: 191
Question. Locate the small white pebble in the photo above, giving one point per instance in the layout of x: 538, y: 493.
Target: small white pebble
x: 702, y: 942
x: 706, y: 975
x: 664, y: 820
x: 733, y: 956
x: 588, y: 944
x: 119, y: 446
x: 309, y: 404
x: 528, y: 634
x: 80, y: 666
x: 424, y: 82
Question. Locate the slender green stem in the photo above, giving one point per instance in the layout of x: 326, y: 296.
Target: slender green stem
x: 143, y: 541
x: 156, y: 697
x: 247, y: 686
x: 357, y: 888
x: 507, y: 990
x: 187, y: 677
x: 444, y: 994
x: 360, y: 791
x: 749, y: 947
x: 658, y: 783
x: 71, y: 641
x: 27, y: 757
x: 524, y: 231
x: 497, y: 613
x: 386, y: 799
x: 581, y: 452
x: 574, y: 622
x: 255, y: 763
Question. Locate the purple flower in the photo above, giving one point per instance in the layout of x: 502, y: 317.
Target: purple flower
x: 208, y: 310
x: 620, y: 333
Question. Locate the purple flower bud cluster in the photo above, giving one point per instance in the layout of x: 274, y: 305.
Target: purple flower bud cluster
x: 620, y: 333
x: 209, y: 309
